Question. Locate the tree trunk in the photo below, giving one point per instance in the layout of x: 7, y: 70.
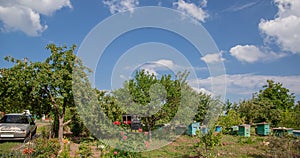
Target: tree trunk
x: 61, y: 130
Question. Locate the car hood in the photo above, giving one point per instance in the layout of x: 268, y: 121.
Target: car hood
x: 13, y: 126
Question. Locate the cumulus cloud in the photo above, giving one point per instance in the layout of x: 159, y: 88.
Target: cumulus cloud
x: 284, y: 28
x: 213, y: 58
x: 192, y: 9
x: 244, y: 85
x: 247, y: 53
x: 116, y: 6
x: 24, y: 15
x: 251, y: 53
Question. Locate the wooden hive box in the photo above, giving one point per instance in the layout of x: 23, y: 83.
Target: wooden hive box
x: 192, y: 128
x: 263, y: 129
x: 296, y: 133
x: 281, y: 131
x: 244, y: 130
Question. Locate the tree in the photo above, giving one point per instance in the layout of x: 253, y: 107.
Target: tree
x: 54, y: 80
x: 17, y: 91
x: 43, y: 86
x: 268, y: 105
x: 155, y: 99
x: 278, y: 95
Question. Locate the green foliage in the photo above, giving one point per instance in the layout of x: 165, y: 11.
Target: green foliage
x: 46, y: 147
x: 207, y: 142
x: 156, y: 99
x: 66, y: 152
x: 246, y: 140
x: 278, y: 95
x: 42, y: 87
x: 85, y: 150
x: 231, y: 119
x: 269, y: 105
x: 45, y: 131
x: 129, y: 145
x: 283, y: 146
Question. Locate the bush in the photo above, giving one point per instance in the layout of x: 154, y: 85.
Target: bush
x: 85, y: 150
x: 283, y: 146
x: 46, y: 147
x: 207, y: 142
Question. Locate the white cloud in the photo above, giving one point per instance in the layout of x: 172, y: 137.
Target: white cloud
x: 192, y: 10
x: 251, y: 53
x: 116, y: 6
x: 168, y: 63
x: 213, y: 58
x: 244, y: 85
x: 247, y: 53
x: 203, y: 90
x: 24, y: 15
x: 284, y: 29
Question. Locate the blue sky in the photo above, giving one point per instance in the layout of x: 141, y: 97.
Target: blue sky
x: 257, y: 39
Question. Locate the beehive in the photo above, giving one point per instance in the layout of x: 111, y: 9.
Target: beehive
x: 263, y: 129
x: 244, y: 130
x: 218, y: 129
x: 192, y: 128
x: 281, y: 131
x: 296, y: 133
x: 234, y: 130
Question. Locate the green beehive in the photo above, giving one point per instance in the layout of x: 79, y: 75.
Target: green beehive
x: 263, y: 129
x: 281, y: 131
x: 244, y: 130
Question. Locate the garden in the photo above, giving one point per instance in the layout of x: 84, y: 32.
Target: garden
x: 82, y: 121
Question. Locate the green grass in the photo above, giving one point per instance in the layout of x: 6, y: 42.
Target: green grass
x: 6, y: 147
x: 232, y: 146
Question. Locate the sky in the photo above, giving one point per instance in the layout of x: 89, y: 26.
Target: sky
x: 256, y: 40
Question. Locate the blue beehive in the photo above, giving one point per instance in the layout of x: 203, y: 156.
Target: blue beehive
x: 218, y: 129
x: 192, y: 128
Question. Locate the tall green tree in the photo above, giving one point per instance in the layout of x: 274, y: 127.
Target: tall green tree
x: 155, y: 99
x: 277, y: 94
x: 17, y: 91
x: 54, y: 79
x: 268, y: 105
x: 43, y: 86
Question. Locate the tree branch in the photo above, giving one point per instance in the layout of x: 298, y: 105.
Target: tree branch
x: 66, y: 123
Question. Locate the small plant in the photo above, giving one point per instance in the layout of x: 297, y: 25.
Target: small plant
x: 246, y: 140
x: 207, y: 142
x: 46, y: 147
x: 283, y: 146
x: 85, y: 150
x: 130, y: 145
x: 66, y: 152
x: 45, y: 131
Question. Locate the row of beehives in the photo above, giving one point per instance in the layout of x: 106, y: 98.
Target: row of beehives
x: 262, y: 129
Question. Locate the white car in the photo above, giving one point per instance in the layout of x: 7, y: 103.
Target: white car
x: 17, y: 126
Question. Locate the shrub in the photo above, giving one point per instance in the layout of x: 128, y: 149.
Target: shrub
x: 207, y: 142
x: 46, y: 147
x: 283, y: 146
x: 85, y: 150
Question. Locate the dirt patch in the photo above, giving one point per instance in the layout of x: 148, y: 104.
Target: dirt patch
x: 74, y: 149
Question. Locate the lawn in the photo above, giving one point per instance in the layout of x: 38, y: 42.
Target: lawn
x: 231, y: 146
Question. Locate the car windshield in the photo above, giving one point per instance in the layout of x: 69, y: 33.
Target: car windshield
x: 14, y: 119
